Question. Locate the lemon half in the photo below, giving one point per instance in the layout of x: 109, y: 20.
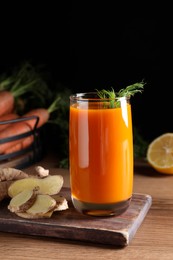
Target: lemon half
x: 160, y: 153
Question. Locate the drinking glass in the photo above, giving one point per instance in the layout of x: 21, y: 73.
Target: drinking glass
x: 100, y: 154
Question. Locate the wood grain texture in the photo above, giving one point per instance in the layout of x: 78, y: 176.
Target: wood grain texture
x: 153, y: 240
x: 71, y: 225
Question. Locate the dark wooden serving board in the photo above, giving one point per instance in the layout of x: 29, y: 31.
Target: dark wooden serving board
x: 71, y: 225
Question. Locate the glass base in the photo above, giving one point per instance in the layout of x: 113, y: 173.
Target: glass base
x: 102, y: 210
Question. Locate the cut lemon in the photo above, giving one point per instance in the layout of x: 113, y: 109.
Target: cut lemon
x: 160, y: 153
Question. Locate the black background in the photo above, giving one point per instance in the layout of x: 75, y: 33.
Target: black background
x: 88, y: 47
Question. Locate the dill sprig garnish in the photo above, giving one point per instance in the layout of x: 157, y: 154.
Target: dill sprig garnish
x: 129, y: 91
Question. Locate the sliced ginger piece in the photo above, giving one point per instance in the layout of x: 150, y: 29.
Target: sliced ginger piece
x: 36, y: 212
x: 50, y: 185
x: 61, y: 202
x: 41, y: 171
x: 30, y: 216
x: 23, y: 200
x: 7, y: 176
x: 42, y: 205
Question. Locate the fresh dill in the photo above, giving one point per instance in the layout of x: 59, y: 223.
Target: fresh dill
x: 129, y: 91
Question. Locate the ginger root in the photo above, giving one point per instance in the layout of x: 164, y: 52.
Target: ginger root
x: 50, y: 185
x: 30, y: 216
x: 61, y: 202
x: 7, y: 176
x: 23, y: 200
x: 43, y: 204
x: 41, y: 172
x: 37, y: 196
x: 44, y: 207
x: 32, y: 196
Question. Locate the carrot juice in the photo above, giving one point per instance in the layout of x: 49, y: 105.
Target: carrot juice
x: 101, y: 155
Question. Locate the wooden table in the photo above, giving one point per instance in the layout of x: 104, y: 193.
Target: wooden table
x: 153, y: 240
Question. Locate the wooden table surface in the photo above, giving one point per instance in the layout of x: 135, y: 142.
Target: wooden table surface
x: 153, y: 240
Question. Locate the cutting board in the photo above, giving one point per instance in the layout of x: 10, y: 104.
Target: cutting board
x: 71, y: 225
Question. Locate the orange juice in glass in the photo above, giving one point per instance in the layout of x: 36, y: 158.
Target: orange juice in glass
x: 101, y: 154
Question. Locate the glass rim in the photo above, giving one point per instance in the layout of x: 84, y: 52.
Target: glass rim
x: 93, y: 96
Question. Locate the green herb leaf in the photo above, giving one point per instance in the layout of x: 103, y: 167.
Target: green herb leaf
x: 104, y: 94
x: 129, y: 91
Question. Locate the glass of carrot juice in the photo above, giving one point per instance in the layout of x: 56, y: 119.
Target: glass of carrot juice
x: 100, y: 154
